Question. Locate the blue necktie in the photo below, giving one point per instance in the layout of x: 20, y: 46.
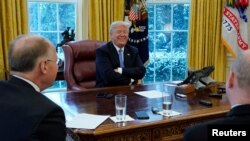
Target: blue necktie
x: 120, y: 58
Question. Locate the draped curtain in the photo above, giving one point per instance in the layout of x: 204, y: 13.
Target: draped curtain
x: 205, y: 45
x: 13, y: 21
x: 101, y: 14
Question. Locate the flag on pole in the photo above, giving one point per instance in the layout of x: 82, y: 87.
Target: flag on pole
x: 234, y: 26
x: 138, y: 32
x: 133, y: 13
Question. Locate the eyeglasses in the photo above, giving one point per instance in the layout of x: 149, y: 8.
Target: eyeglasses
x: 56, y: 61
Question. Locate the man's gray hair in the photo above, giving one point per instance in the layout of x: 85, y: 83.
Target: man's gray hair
x: 25, y: 50
x: 118, y: 23
x: 241, y: 67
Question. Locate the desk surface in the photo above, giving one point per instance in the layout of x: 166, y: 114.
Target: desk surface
x: 156, y: 128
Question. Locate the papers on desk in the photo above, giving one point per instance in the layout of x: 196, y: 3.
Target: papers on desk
x: 173, y: 113
x: 150, y: 94
x: 128, y: 118
x: 176, y: 82
x: 86, y: 121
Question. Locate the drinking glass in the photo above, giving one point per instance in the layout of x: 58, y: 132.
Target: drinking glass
x: 120, y: 107
x: 167, y: 100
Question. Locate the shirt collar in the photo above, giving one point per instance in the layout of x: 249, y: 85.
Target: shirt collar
x: 30, y: 82
x: 235, y: 105
x: 117, y: 48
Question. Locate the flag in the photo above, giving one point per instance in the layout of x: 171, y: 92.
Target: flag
x: 133, y: 13
x: 234, y: 26
x: 138, y: 31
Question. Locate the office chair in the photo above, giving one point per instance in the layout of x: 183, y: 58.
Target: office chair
x: 79, y: 65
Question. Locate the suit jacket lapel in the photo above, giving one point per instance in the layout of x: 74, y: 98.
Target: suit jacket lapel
x: 126, y: 56
x: 114, y: 54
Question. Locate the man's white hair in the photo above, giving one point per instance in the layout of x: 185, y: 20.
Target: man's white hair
x: 118, y: 23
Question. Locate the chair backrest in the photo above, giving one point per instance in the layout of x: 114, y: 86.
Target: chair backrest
x: 79, y: 65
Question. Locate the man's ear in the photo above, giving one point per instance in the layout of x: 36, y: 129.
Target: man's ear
x: 44, y: 67
x: 231, y: 79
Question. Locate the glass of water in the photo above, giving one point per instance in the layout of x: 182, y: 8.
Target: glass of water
x: 167, y: 101
x: 120, y: 107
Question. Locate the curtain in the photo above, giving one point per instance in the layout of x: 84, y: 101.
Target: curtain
x: 101, y: 14
x: 13, y: 21
x: 82, y: 19
x: 205, y: 44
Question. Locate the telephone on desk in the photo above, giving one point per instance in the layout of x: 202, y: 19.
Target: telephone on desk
x: 199, y: 78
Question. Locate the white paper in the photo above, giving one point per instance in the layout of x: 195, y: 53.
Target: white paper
x: 176, y: 82
x: 128, y: 118
x: 173, y: 113
x: 150, y: 94
x: 86, y: 121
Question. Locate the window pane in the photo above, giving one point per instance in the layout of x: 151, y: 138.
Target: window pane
x: 33, y: 14
x: 179, y: 68
x: 181, y: 16
x: 163, y: 42
x: 50, y: 35
x: 48, y: 16
x: 67, y: 16
x: 162, y: 69
x: 151, y: 43
x: 150, y: 17
x: 180, y: 43
x: 163, y: 17
x: 150, y: 71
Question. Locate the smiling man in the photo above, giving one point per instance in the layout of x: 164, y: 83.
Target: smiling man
x: 118, y: 63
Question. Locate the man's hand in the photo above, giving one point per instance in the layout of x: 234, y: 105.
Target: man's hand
x: 116, y: 70
x: 119, y: 70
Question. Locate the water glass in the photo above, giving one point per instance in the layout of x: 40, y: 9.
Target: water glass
x: 167, y: 100
x: 169, y: 88
x: 120, y: 107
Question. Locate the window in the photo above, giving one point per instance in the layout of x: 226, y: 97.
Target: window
x: 168, y: 40
x: 50, y: 18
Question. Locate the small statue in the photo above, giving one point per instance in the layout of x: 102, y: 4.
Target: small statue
x: 72, y: 36
x: 67, y: 36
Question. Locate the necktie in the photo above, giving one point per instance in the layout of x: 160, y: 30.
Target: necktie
x: 121, y: 58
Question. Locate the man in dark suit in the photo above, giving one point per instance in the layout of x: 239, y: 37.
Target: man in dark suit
x: 118, y: 63
x: 25, y: 113
x: 238, y: 118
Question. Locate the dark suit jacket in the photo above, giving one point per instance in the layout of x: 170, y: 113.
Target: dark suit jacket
x: 27, y: 115
x: 107, y: 60
x: 239, y: 115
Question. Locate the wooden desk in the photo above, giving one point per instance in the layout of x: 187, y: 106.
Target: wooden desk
x: 157, y: 128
